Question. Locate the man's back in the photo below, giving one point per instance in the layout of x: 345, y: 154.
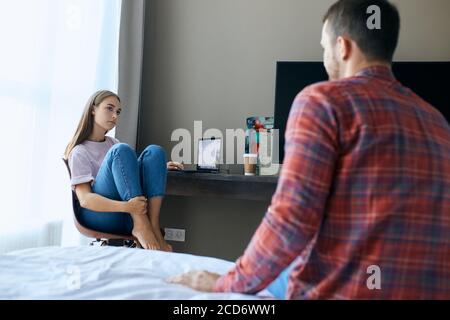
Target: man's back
x: 362, y: 205
x: 388, y: 204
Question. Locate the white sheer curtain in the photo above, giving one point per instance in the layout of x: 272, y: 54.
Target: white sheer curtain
x: 55, y: 54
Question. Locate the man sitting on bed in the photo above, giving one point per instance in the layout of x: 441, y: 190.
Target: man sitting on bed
x: 362, y: 209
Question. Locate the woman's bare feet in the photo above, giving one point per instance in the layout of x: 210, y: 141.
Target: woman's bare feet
x: 143, y: 231
x: 162, y: 242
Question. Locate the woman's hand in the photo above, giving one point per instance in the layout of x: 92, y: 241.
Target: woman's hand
x: 137, y: 206
x: 171, y: 165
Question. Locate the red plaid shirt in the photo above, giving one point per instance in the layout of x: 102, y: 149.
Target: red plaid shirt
x: 365, y: 182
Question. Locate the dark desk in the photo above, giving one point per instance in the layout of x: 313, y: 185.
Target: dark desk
x: 234, y: 186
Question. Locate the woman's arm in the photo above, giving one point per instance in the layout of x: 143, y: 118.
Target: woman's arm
x: 96, y: 202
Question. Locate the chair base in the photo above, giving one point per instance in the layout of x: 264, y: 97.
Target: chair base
x: 114, y: 243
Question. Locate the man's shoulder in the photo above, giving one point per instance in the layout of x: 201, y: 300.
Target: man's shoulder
x: 331, y: 88
x: 325, y: 93
x: 334, y: 94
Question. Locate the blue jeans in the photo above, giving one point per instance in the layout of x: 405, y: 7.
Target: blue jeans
x: 278, y: 287
x: 123, y: 176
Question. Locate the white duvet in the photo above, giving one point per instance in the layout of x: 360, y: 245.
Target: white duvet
x: 103, y: 273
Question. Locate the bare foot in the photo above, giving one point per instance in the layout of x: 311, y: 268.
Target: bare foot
x: 143, y: 231
x: 162, y: 242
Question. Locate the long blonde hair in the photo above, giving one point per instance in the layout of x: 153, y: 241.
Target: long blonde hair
x: 86, y: 124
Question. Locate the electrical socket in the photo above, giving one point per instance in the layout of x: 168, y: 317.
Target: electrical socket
x: 175, y: 234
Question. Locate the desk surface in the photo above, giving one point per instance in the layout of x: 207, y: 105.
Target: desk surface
x: 236, y: 186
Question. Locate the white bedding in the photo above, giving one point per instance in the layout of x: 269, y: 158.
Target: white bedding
x: 103, y: 273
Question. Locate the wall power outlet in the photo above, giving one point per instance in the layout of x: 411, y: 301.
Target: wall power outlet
x: 175, y: 234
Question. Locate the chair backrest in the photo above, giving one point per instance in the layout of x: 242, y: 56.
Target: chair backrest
x: 86, y: 231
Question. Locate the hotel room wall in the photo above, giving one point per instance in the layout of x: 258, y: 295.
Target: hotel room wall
x: 214, y: 60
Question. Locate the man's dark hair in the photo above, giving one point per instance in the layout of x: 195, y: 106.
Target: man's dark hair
x: 349, y: 18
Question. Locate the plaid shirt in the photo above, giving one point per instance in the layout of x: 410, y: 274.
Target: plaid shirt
x: 365, y: 182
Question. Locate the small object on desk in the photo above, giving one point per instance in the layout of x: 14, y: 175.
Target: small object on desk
x: 250, y: 162
x: 208, y: 156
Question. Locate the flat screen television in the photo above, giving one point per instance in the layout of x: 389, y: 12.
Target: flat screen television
x: 427, y: 79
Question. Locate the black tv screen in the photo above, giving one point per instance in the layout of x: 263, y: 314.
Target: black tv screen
x: 427, y: 79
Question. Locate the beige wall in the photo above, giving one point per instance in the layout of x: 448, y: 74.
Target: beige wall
x: 214, y: 60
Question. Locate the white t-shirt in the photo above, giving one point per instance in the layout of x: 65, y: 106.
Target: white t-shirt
x: 86, y: 158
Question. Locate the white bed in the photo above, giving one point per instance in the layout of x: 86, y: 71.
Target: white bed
x: 103, y: 273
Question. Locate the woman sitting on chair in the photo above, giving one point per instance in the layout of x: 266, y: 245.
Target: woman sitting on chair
x: 119, y: 193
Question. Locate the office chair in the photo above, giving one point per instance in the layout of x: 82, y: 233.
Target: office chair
x: 101, y: 238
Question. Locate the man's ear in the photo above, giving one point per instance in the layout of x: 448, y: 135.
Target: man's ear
x: 344, y: 46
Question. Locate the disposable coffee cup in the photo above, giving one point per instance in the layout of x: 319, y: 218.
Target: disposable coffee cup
x: 250, y: 162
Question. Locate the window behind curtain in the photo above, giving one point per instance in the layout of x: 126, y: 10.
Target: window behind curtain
x: 55, y: 54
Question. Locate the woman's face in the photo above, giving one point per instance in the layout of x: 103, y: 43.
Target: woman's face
x: 106, y: 114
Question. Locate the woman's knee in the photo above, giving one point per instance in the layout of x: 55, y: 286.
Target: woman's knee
x: 155, y: 152
x: 122, y: 148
